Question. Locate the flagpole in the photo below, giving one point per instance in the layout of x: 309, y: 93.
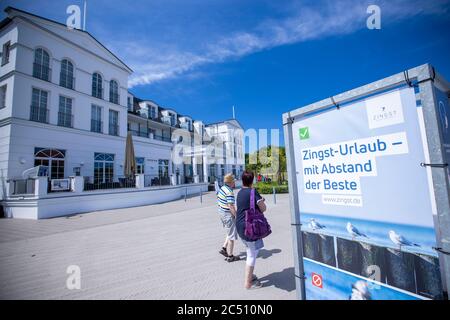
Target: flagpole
x: 84, y: 15
x: 234, y: 114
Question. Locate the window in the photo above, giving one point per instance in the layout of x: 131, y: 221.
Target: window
x: 5, y: 52
x: 113, y: 123
x: 140, y: 165
x: 3, y: 96
x: 96, y: 119
x: 41, y: 66
x: 151, y: 112
x: 66, y: 78
x: 114, y: 92
x: 103, y: 168
x: 39, y: 111
x: 163, y: 169
x: 51, y: 158
x: 129, y: 104
x: 65, y: 112
x: 152, y: 133
x: 173, y: 119
x: 97, y: 86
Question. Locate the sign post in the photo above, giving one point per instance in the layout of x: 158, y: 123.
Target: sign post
x: 369, y: 190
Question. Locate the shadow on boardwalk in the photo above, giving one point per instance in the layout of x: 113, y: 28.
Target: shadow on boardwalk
x: 283, y: 280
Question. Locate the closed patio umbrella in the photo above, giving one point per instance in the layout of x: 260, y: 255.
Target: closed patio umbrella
x: 129, y: 168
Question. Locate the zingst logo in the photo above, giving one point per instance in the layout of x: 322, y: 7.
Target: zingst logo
x: 385, y: 110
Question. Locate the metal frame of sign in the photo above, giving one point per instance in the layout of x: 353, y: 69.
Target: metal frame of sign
x: 426, y: 79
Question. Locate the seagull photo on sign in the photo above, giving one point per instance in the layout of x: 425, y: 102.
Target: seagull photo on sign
x: 400, y: 241
x: 360, y: 291
x: 315, y: 225
x: 354, y: 231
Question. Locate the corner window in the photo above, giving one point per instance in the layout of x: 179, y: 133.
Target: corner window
x: 3, y: 96
x: 5, y: 52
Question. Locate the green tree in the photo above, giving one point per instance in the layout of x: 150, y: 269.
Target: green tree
x: 268, y: 160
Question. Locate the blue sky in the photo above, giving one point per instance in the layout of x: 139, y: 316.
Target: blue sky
x: 265, y: 57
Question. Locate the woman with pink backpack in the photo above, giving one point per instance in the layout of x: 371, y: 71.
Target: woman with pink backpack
x: 251, y: 225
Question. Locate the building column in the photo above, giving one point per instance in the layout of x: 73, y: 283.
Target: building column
x: 205, y: 168
x: 140, y: 183
x: 40, y: 186
x: 194, y: 169
x: 77, y: 184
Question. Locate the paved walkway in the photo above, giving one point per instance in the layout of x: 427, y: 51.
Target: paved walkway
x: 164, y: 251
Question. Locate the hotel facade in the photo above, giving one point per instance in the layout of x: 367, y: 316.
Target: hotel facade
x: 65, y: 113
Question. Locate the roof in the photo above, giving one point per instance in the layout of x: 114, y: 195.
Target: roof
x: 228, y: 120
x: 9, y: 9
x: 5, y: 22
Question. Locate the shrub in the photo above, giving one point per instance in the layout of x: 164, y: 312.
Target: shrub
x: 267, y: 188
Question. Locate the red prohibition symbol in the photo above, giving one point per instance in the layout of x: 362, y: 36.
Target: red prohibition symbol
x: 317, y: 280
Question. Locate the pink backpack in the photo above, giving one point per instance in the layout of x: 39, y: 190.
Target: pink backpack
x: 256, y: 225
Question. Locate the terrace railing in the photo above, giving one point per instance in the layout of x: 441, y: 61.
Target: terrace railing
x: 121, y: 182
x: 156, y: 180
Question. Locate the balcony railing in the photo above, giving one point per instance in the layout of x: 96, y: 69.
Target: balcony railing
x: 114, y: 98
x: 65, y: 120
x: 41, y: 72
x: 39, y: 114
x: 98, y: 93
x: 96, y: 126
x: 140, y: 133
x: 156, y: 180
x: 113, y: 129
x: 66, y: 81
x: 162, y: 138
x: 97, y: 183
x: 22, y: 186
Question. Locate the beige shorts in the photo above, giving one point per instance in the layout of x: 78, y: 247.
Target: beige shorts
x: 229, y: 224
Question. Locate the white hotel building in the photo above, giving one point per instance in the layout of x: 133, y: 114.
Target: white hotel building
x: 65, y: 105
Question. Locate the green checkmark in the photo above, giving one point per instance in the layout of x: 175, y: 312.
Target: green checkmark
x: 304, y: 133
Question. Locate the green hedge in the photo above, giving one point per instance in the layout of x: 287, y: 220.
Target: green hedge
x: 266, y: 188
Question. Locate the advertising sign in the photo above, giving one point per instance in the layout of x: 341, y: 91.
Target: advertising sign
x: 60, y: 184
x: 444, y: 122
x: 366, y: 200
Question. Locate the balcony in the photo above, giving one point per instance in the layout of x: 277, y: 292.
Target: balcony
x: 41, y: 72
x: 39, y: 114
x: 96, y: 126
x: 65, y: 120
x: 139, y: 133
x: 162, y: 138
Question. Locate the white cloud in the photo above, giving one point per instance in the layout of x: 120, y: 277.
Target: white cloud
x: 152, y: 63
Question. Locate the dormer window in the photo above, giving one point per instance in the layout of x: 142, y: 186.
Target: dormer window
x: 173, y: 119
x: 151, y: 111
